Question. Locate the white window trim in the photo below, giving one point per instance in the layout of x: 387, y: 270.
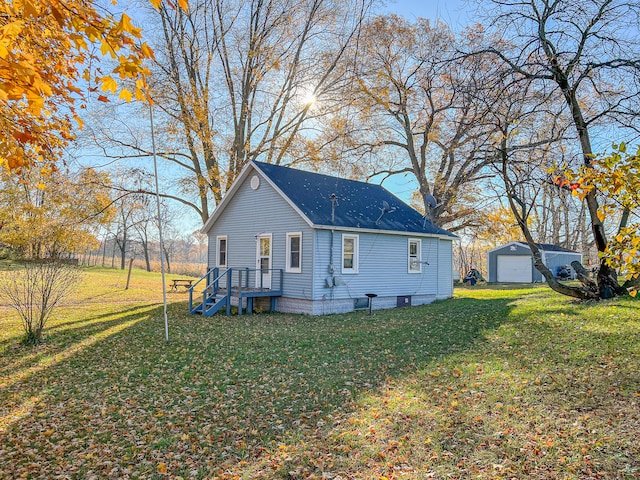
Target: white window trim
x: 226, y: 253
x: 289, y: 268
x: 419, y: 242
x: 356, y: 253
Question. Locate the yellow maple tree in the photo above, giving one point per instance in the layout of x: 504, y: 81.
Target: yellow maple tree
x: 498, y: 227
x: 46, y: 48
x: 53, y: 213
x: 615, y: 177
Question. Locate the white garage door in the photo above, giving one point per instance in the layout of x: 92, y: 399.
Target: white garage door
x: 514, y: 269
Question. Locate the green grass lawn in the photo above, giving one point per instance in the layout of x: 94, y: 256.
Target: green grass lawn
x: 495, y: 383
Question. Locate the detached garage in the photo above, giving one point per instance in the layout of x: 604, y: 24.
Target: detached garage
x: 513, y: 263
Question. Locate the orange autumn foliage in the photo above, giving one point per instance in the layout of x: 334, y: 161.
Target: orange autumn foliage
x: 46, y: 48
x: 499, y: 227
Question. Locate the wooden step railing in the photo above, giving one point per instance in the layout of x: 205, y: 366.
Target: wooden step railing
x: 249, y: 283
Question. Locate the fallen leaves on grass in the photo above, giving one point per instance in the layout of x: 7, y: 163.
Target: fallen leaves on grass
x: 469, y: 388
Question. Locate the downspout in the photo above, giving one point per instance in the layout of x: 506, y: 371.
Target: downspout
x: 334, y: 200
x: 333, y: 222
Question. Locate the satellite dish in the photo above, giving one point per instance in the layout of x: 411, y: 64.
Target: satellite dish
x: 385, y: 209
x: 430, y: 201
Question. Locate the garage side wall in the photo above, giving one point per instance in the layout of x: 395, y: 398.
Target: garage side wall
x: 554, y: 260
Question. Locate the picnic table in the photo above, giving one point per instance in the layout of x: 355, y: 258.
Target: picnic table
x: 184, y: 282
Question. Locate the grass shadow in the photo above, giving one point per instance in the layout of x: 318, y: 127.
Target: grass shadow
x: 60, y: 336
x: 224, y: 392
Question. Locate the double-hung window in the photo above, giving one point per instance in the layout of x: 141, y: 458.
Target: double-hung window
x: 350, y: 253
x: 294, y: 252
x: 415, y: 249
x: 221, y: 260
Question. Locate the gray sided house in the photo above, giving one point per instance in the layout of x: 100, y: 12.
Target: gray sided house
x: 318, y: 244
x: 513, y: 262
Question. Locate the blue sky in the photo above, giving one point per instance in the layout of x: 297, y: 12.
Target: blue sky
x: 455, y: 13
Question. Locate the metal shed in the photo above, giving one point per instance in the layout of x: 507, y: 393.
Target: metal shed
x: 513, y: 262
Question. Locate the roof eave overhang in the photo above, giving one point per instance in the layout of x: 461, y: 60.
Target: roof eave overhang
x: 502, y: 246
x: 386, y: 232
x: 526, y: 245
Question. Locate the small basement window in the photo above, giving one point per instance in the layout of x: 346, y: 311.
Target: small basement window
x: 361, y: 303
x: 404, y: 300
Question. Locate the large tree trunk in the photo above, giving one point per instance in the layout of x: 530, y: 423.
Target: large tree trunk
x: 520, y: 215
x: 607, y: 277
x: 147, y: 260
x: 166, y: 258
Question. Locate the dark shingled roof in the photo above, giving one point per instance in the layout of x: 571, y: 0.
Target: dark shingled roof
x: 358, y: 204
x: 548, y: 247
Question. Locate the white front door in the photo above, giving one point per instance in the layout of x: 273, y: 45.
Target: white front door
x: 263, y: 261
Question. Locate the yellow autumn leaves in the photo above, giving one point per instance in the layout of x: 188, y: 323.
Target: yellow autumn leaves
x: 45, y: 49
x: 616, y: 178
x: 49, y: 212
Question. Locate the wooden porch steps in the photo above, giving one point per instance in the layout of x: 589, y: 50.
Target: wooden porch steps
x: 231, y: 287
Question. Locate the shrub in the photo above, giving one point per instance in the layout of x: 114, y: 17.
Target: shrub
x: 34, y: 290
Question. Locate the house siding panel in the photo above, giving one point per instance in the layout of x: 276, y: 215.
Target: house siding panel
x: 445, y: 269
x: 554, y: 260
x: 383, y: 258
x: 262, y: 211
